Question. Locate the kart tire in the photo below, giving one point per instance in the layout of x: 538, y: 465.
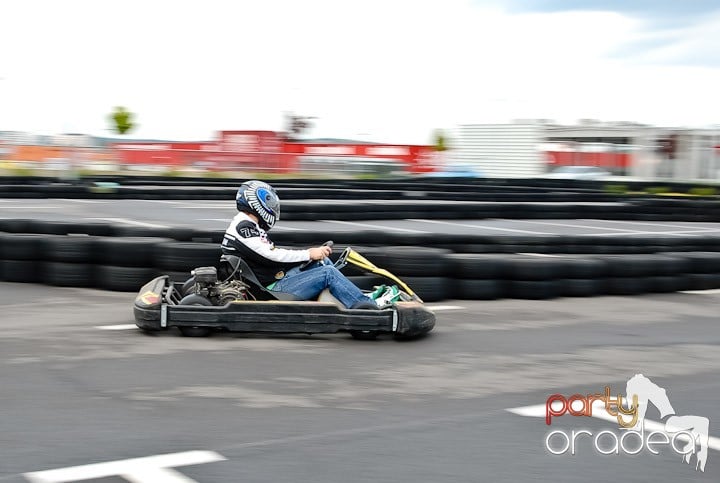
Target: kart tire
x: 195, y: 331
x: 364, y: 334
x: 186, y: 286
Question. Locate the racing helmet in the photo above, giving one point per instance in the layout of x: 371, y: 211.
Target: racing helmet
x: 260, y: 199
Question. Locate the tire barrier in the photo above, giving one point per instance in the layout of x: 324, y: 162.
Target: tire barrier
x: 435, y: 273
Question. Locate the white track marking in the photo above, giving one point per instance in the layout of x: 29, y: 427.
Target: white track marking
x: 437, y: 308
x: 550, y: 223
x: 92, y: 202
x: 368, y: 225
x: 116, y: 327
x: 131, y: 222
x: 35, y: 207
x: 481, y: 227
x: 540, y: 255
x: 712, y: 291
x: 150, y: 469
x: 599, y: 412
x: 644, y: 223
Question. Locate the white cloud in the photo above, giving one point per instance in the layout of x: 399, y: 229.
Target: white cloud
x: 391, y: 70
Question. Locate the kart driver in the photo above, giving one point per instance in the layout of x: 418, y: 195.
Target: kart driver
x: 278, y: 268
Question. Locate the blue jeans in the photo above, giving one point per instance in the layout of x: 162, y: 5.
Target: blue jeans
x: 307, y: 285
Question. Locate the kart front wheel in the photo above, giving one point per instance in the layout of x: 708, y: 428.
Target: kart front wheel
x: 364, y: 334
x: 195, y: 331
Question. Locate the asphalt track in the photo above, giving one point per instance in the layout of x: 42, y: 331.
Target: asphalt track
x: 81, y: 386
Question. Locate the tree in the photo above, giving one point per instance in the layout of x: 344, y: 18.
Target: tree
x: 296, y: 125
x: 122, y: 120
x: 440, y: 141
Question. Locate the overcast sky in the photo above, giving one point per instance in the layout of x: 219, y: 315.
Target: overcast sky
x: 387, y: 70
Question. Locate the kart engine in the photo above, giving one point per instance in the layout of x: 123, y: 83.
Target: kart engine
x: 219, y: 293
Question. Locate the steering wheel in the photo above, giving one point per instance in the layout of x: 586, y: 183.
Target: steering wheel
x: 307, y: 264
x: 342, y: 259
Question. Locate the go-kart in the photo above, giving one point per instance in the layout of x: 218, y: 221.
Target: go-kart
x: 230, y: 298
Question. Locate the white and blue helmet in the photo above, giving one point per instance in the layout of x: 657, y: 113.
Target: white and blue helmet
x: 260, y: 199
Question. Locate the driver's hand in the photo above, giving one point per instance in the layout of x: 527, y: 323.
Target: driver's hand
x: 318, y: 253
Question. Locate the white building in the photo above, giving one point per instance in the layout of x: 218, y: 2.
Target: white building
x: 531, y: 148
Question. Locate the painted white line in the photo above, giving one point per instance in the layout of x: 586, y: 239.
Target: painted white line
x: 644, y: 223
x: 437, y: 308
x: 131, y: 222
x: 549, y: 223
x: 93, y: 202
x: 481, y: 227
x: 540, y: 255
x: 599, y: 412
x: 369, y: 225
x: 712, y: 291
x: 673, y: 233
x: 150, y: 469
x: 116, y: 327
x: 35, y: 207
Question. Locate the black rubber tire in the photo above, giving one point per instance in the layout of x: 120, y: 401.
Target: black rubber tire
x: 429, y: 289
x: 195, y: 331
x: 68, y: 274
x: 187, y: 286
x: 364, y: 334
x: 127, y: 252
x: 533, y: 289
x: 666, y: 283
x: 479, y: 266
x: 703, y: 281
x: 368, y: 282
x: 179, y: 256
x: 584, y: 267
x: 21, y: 246
x: 537, y: 268
x: 69, y: 248
x: 578, y: 287
x: 701, y: 262
x: 22, y: 271
x: 478, y: 289
x: 415, y: 261
x: 626, y: 285
x: 121, y: 279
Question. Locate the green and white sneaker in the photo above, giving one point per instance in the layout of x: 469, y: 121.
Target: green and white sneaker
x: 391, y: 294
x: 379, y: 290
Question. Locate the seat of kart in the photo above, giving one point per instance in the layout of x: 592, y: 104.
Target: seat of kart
x: 232, y: 265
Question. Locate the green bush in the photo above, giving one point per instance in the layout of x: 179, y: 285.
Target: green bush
x: 703, y: 191
x: 616, y: 188
x: 657, y: 190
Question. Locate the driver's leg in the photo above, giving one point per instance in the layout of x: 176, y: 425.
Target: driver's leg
x: 307, y: 285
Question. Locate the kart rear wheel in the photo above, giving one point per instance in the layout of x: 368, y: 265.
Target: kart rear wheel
x: 364, y: 334
x: 195, y: 331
